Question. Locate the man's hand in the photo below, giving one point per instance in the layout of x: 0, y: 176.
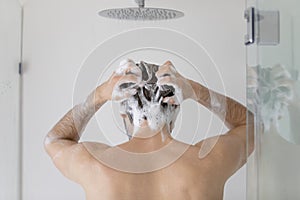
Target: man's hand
x: 168, y: 75
x: 121, y: 85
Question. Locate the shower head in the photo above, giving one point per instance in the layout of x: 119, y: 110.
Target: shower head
x: 141, y: 13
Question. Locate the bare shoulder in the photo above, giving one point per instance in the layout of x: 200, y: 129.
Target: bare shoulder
x: 91, y: 152
x: 95, y: 146
x: 227, y: 152
x: 84, y: 151
x: 78, y: 158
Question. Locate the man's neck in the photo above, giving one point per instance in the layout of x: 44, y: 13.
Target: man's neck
x: 145, y: 145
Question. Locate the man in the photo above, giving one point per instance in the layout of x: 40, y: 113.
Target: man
x: 151, y: 165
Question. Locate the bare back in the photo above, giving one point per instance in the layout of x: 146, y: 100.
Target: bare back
x: 186, y: 178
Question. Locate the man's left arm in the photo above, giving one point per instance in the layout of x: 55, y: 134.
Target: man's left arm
x: 230, y: 149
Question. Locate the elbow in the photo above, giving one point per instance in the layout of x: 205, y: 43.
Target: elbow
x: 237, y: 119
x: 48, y: 142
x: 246, y: 133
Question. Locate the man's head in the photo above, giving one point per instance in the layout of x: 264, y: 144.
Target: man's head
x: 146, y: 108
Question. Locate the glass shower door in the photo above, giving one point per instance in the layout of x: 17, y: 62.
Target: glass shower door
x: 274, y: 98
x: 10, y: 82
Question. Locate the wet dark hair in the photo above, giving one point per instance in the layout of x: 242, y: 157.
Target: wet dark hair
x: 150, y: 90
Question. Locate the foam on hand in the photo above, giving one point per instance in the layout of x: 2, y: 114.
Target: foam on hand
x: 124, y: 65
x: 132, y: 77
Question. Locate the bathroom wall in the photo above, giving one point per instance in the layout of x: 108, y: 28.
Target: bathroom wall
x: 10, y: 35
x: 60, y: 34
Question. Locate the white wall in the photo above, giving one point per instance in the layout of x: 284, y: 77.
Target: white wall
x: 60, y: 34
x: 10, y: 32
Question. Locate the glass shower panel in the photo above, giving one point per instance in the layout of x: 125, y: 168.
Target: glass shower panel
x: 10, y: 40
x: 274, y: 97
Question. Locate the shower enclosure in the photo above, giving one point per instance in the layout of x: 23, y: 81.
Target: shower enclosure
x: 273, y: 94
x: 273, y: 63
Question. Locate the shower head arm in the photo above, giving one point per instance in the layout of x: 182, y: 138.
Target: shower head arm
x: 141, y: 3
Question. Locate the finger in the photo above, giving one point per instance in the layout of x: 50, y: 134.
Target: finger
x: 171, y: 81
x: 166, y: 69
x: 119, y: 95
x: 177, y: 97
x: 168, y: 63
x: 168, y: 81
x: 171, y: 100
x: 127, y: 62
x: 125, y: 65
x: 133, y: 73
x: 129, y: 80
x: 135, y: 70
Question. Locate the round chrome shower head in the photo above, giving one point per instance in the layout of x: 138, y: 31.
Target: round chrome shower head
x: 141, y: 13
